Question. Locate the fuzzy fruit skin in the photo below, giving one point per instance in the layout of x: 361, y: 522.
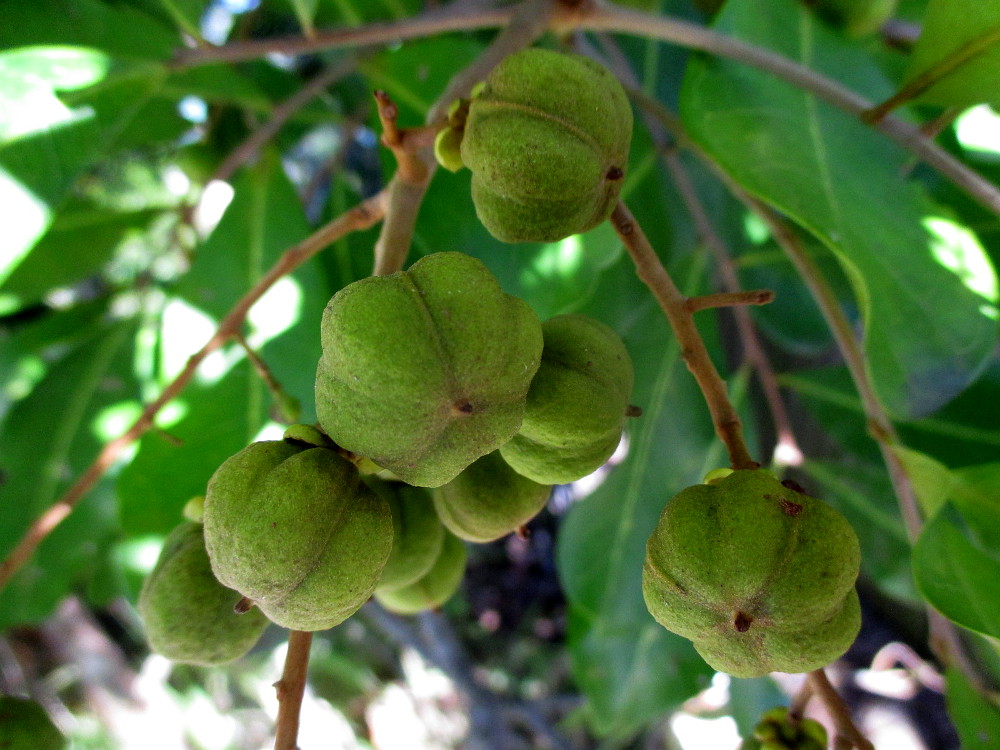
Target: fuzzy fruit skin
x: 575, y: 412
x: 187, y: 614
x: 547, y: 141
x: 760, y: 577
x: 489, y: 500
x: 435, y: 587
x: 424, y: 371
x: 294, y: 529
x: 417, y: 533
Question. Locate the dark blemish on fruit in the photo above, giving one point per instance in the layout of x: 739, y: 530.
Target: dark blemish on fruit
x: 788, y: 507
x: 463, y: 407
x: 615, y: 173
x: 742, y: 622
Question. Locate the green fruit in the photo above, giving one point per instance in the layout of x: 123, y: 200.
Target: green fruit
x: 187, y: 614
x: 294, y: 529
x: 24, y: 725
x: 417, y: 533
x: 547, y: 140
x: 435, y: 587
x: 760, y: 577
x: 776, y: 730
x: 489, y: 500
x: 425, y: 371
x: 576, y: 405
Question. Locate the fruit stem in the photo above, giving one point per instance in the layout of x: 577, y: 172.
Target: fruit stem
x: 730, y: 299
x: 846, y: 733
x: 675, y: 306
x: 290, y: 689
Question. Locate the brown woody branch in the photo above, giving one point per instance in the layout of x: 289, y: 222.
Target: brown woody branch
x: 674, y: 304
x: 290, y: 689
x: 730, y: 299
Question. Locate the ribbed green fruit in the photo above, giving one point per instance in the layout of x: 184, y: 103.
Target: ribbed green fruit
x: 776, y: 730
x: 435, y: 587
x: 187, y: 614
x: 24, y: 725
x: 424, y: 371
x: 547, y: 140
x: 417, y: 533
x: 489, y: 500
x: 294, y: 529
x: 576, y: 405
x: 760, y: 577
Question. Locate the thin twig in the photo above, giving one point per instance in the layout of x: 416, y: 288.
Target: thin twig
x: 248, y: 149
x: 846, y: 731
x: 730, y: 299
x: 286, y: 408
x: 362, y: 216
x: 290, y: 689
x: 927, y: 79
x: 674, y: 304
x: 458, y: 16
x: 659, y: 121
x: 797, y: 709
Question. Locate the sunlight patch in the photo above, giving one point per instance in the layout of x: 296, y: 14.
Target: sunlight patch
x: 958, y: 249
x: 112, y: 421
x: 978, y: 130
x: 278, y: 310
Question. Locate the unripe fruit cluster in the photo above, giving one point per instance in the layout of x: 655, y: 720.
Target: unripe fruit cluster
x: 465, y: 405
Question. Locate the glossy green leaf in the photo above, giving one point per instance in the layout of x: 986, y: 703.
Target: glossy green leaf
x: 48, y: 439
x: 954, y: 571
x: 822, y: 168
x: 957, y: 59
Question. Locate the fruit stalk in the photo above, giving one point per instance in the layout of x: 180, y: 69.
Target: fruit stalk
x: 675, y: 306
x: 290, y: 689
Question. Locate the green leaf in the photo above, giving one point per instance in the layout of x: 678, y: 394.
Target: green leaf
x: 954, y: 571
x: 956, y: 62
x: 932, y: 481
x: 822, y: 168
x: 174, y: 465
x: 976, y: 719
x: 964, y: 432
x: 78, y: 244
x: 264, y: 220
x: 48, y: 439
x: 114, y: 28
x: 630, y: 668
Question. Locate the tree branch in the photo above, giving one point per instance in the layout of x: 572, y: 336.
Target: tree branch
x: 290, y: 689
x: 847, y: 734
x: 360, y: 217
x: 458, y: 16
x: 281, y: 114
x: 674, y: 304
